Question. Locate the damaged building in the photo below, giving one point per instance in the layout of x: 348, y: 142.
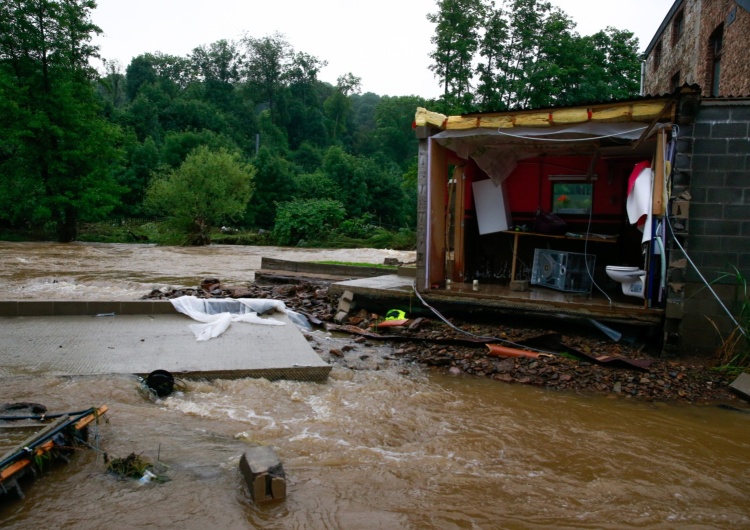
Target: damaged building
x: 592, y: 212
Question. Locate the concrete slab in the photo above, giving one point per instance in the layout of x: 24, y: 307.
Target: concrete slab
x: 384, y: 292
x: 387, y: 282
x: 139, y: 344
x: 741, y: 385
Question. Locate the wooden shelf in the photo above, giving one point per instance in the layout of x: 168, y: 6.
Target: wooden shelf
x: 593, y: 238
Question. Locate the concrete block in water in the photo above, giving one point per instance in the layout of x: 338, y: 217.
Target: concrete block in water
x: 741, y: 385
x: 264, y: 474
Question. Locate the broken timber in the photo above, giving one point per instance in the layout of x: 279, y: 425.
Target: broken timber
x: 49, y: 441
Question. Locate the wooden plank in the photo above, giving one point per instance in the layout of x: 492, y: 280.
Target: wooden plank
x: 459, y: 212
x: 515, y: 257
x: 36, y: 436
x: 658, y: 192
x: 436, y: 215
x: 83, y: 422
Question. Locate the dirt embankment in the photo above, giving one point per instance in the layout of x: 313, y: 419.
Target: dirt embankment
x: 580, y: 360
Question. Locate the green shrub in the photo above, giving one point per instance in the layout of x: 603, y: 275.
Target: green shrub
x: 299, y: 222
x: 359, y: 228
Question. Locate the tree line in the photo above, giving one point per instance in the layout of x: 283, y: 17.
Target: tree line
x: 244, y: 133
x: 494, y: 56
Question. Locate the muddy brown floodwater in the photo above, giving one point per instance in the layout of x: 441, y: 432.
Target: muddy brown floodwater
x: 399, y: 447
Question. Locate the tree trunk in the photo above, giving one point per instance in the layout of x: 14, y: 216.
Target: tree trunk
x: 67, y: 225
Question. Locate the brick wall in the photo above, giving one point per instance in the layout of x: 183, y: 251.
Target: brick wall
x: 677, y: 54
x: 735, y: 66
x: 691, y: 54
x: 718, y: 223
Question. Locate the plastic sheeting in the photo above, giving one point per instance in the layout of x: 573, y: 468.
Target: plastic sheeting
x: 497, y: 151
x: 218, y: 314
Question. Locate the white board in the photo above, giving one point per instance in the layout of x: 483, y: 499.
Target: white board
x: 491, y: 204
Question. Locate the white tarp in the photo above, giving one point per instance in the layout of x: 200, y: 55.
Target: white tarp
x: 497, y: 151
x: 217, y: 314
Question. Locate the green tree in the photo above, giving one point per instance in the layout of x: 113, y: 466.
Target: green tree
x: 341, y: 168
x: 209, y: 188
x: 393, y: 136
x: 59, y: 156
x: 268, y: 61
x: 275, y: 183
x: 527, y: 54
x: 142, y: 159
x: 316, y: 186
x: 456, y: 39
x: 339, y: 106
x: 219, y: 66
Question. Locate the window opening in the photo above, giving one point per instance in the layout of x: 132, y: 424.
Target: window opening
x: 657, y: 56
x: 678, y: 27
x: 717, y: 47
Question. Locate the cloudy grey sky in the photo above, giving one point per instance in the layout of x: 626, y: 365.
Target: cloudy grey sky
x: 386, y: 43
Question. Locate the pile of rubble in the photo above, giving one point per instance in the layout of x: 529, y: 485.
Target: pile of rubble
x: 460, y: 349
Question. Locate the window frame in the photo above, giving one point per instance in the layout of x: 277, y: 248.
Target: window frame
x: 716, y: 51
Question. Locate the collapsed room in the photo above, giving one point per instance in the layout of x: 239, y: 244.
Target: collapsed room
x: 556, y: 210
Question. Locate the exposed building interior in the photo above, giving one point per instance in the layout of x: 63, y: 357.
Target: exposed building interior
x: 490, y: 193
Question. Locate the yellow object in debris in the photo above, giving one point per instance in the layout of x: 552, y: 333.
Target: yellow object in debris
x: 395, y: 314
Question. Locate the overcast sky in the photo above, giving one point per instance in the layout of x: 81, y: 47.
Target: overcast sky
x: 385, y: 43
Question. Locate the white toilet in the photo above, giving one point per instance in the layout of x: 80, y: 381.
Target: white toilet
x: 632, y: 279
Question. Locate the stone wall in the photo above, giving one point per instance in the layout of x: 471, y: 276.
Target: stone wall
x: 717, y: 218
x: 677, y: 54
x: 691, y: 54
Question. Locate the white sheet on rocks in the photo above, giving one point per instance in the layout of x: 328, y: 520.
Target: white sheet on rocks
x: 217, y: 314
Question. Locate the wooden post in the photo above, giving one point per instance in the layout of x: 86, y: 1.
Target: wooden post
x: 436, y: 215
x: 459, y: 212
x: 659, y: 166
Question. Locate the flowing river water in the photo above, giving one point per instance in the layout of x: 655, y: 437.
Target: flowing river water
x: 390, y: 449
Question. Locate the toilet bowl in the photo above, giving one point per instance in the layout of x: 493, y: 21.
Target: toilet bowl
x: 632, y: 279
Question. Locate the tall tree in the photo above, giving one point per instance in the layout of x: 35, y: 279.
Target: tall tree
x: 339, y: 105
x: 456, y: 39
x: 491, y: 89
x: 61, y: 155
x: 268, y: 61
x: 275, y: 184
x: 219, y: 66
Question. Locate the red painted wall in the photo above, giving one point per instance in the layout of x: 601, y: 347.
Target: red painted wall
x: 529, y: 186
